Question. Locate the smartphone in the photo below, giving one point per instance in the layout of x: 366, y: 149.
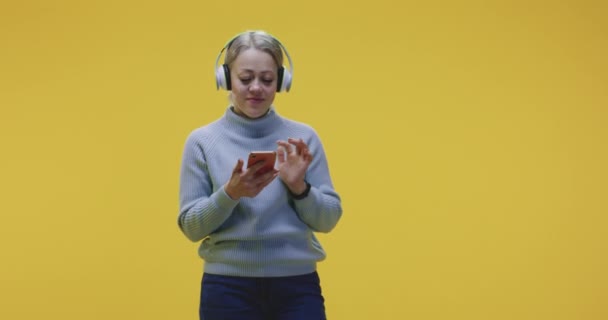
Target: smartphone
x: 269, y: 158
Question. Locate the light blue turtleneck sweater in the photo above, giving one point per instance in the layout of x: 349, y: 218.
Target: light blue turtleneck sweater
x: 271, y: 234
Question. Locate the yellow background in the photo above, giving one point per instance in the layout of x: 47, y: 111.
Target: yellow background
x: 468, y: 140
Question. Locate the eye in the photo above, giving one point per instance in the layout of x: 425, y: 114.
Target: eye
x: 245, y: 80
x: 267, y: 81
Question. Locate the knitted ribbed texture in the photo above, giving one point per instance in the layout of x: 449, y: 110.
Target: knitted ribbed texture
x: 271, y: 234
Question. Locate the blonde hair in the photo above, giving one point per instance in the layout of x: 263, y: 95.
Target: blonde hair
x: 259, y: 40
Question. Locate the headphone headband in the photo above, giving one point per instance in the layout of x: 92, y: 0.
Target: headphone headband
x: 222, y: 72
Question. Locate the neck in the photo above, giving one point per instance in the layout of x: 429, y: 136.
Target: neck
x: 255, y: 128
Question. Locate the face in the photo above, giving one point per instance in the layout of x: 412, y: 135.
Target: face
x: 254, y: 82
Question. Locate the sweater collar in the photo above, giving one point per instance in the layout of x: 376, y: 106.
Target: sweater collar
x: 253, y: 128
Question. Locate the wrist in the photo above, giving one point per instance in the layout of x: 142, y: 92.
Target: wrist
x: 302, y: 191
x: 230, y: 193
x: 298, y: 188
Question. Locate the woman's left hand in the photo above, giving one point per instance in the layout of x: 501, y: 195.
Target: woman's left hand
x: 294, y: 159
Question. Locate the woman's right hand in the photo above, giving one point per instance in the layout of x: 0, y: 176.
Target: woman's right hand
x: 248, y: 182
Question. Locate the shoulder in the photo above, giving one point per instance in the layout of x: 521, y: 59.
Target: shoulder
x: 304, y: 131
x: 199, y: 139
x: 205, y: 131
x: 299, y: 127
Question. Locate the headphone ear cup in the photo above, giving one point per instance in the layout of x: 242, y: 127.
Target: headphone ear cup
x: 284, y: 80
x: 227, y: 75
x: 280, y: 78
x: 222, y: 77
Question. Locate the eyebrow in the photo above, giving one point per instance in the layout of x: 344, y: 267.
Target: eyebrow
x: 252, y: 71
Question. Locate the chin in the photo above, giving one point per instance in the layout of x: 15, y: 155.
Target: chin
x: 257, y: 111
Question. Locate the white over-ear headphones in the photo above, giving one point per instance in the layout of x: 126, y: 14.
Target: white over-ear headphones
x: 222, y: 72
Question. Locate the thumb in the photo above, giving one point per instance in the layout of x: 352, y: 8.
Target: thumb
x: 239, y: 166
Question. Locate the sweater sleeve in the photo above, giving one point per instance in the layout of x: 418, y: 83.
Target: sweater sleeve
x: 322, y: 208
x: 201, y: 211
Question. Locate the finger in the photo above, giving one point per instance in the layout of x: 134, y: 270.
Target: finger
x: 304, y: 150
x: 307, y: 156
x: 256, y: 166
x: 260, y: 182
x: 299, y: 148
x: 300, y: 145
x: 269, y: 177
x: 288, y: 148
x: 298, y: 142
x: 285, y: 145
x: 281, y: 154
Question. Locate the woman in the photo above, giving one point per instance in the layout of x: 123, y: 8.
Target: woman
x: 257, y: 228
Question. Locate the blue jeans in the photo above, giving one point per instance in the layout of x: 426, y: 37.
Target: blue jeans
x: 273, y: 298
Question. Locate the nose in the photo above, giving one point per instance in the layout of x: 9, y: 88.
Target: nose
x: 255, y: 86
